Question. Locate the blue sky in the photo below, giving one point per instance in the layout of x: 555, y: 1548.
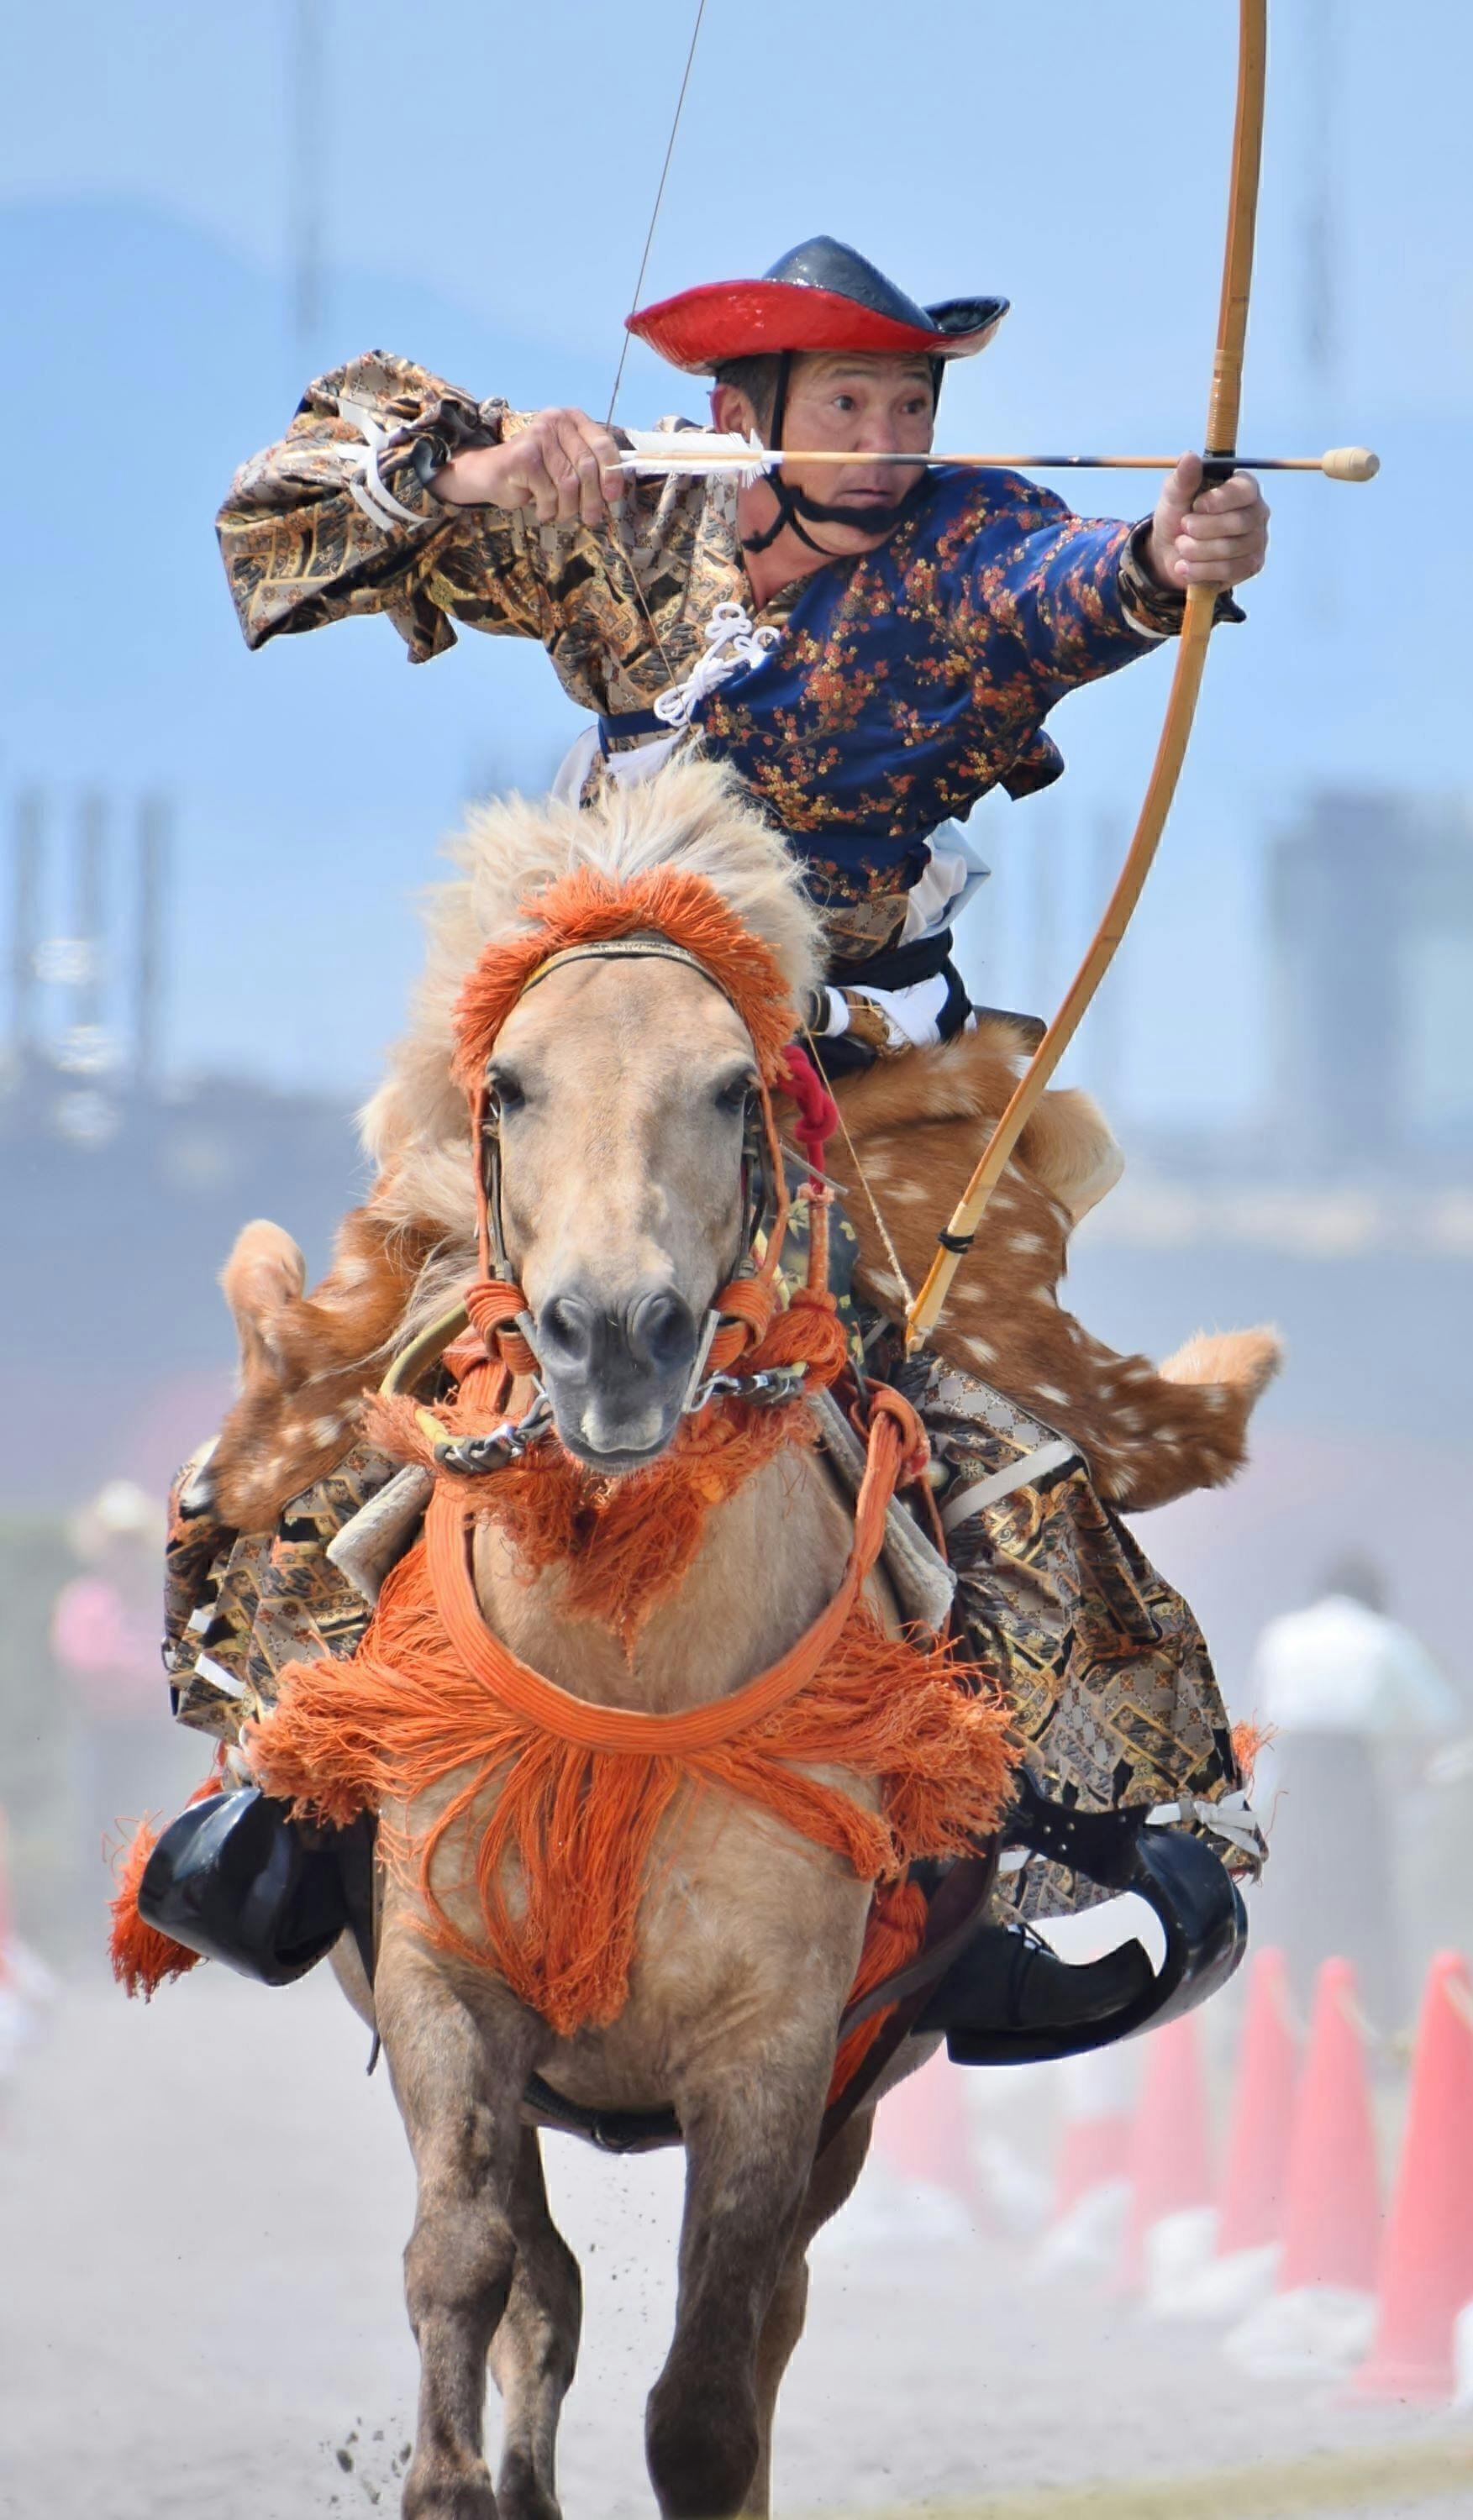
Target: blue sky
x: 483, y: 192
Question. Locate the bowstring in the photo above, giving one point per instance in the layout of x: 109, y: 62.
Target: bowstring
x: 649, y: 234
x: 649, y: 238
x: 863, y: 1180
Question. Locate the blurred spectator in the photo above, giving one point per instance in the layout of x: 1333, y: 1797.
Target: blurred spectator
x: 105, y: 1632
x: 1352, y: 1703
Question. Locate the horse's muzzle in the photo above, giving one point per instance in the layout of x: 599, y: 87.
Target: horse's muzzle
x: 617, y: 1374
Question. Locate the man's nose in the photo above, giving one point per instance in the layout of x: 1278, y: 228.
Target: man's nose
x: 881, y: 435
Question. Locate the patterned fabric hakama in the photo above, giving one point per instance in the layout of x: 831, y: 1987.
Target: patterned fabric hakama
x: 1112, y: 1692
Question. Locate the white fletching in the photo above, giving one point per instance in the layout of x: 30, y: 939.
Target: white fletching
x: 698, y: 450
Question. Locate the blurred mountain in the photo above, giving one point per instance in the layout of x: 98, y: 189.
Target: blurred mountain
x: 314, y: 782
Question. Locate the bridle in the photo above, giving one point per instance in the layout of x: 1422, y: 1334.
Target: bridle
x: 740, y: 1311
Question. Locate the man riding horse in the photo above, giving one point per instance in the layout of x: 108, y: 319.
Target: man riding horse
x: 872, y: 648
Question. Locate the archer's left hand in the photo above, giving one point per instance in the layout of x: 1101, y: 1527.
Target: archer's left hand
x: 1218, y: 538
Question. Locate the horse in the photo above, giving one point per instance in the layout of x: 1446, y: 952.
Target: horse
x: 580, y: 1110
x: 623, y: 1083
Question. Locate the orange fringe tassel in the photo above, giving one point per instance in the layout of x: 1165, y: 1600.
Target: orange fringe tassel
x: 582, y: 908
x: 555, y: 1839
x: 1250, y: 1740
x: 142, y: 1958
x: 625, y: 1544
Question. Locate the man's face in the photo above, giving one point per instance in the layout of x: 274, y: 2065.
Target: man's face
x: 851, y: 402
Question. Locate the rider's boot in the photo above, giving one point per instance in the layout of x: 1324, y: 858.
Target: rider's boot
x: 1009, y: 1980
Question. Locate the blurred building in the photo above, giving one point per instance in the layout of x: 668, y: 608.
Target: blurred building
x: 125, y: 1187
x: 1370, y: 940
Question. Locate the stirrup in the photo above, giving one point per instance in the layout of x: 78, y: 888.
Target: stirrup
x: 1054, y: 2007
x: 237, y: 1879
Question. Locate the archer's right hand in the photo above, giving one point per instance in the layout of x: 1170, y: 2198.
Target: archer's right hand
x: 563, y: 464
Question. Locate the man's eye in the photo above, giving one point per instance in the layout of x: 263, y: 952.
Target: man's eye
x: 844, y: 402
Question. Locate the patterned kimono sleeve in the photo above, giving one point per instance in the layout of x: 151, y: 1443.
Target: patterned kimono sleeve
x: 1075, y: 590
x: 306, y: 540
x: 1068, y: 588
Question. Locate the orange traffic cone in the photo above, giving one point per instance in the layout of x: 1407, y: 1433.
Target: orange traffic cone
x: 1090, y: 2192
x: 6, y: 1927
x: 1093, y: 2151
x: 14, y: 2015
x: 1254, y: 2178
x: 1324, y: 2304
x: 1169, y: 2223
x: 1250, y: 2200
x: 1427, y: 2279
x: 920, y: 2184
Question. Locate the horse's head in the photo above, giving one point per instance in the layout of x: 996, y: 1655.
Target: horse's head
x: 618, y: 1094
x: 609, y: 1086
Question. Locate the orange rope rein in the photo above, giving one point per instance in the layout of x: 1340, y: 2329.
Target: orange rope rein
x: 543, y: 1704
x: 565, y: 1799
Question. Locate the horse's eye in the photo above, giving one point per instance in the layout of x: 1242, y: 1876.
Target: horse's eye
x: 505, y: 1092
x: 734, y: 1096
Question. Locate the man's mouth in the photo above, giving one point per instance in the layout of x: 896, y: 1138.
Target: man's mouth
x: 861, y: 506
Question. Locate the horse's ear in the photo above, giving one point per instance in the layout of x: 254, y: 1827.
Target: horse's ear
x: 265, y: 1275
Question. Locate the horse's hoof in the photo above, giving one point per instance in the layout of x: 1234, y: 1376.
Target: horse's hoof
x: 519, y: 2496
x: 701, y: 2452
x: 461, y: 2494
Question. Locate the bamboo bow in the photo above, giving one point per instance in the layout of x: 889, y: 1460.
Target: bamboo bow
x: 1186, y: 682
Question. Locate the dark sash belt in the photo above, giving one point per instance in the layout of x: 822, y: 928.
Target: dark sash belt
x: 897, y: 966
x: 631, y: 721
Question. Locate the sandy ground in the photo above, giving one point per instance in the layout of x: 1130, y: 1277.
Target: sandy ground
x: 201, y: 2210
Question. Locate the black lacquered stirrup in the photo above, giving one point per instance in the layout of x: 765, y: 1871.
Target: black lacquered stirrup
x: 1008, y: 2000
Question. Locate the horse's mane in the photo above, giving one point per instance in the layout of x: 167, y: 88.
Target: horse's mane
x: 694, y: 815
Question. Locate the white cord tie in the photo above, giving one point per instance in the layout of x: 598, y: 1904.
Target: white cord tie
x: 1230, y: 1819
x: 731, y: 642
x: 365, y: 489
x: 1022, y: 1474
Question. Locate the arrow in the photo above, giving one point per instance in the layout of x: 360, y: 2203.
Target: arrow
x: 703, y: 451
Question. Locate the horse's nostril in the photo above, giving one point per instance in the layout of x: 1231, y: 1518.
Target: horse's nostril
x: 661, y: 1332
x: 566, y: 1331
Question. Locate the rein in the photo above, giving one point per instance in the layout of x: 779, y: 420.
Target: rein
x: 741, y: 1311
x: 897, y: 1441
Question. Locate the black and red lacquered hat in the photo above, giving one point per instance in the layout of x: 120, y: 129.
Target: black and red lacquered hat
x: 820, y: 296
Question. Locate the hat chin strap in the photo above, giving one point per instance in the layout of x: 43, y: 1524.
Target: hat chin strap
x: 794, y: 506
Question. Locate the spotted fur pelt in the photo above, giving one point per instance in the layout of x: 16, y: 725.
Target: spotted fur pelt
x: 1147, y: 1434
x: 918, y: 1125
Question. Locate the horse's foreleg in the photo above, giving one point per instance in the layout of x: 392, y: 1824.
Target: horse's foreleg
x: 458, y: 2076
x: 534, y: 2349
x: 748, y: 2141
x: 831, y: 2186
